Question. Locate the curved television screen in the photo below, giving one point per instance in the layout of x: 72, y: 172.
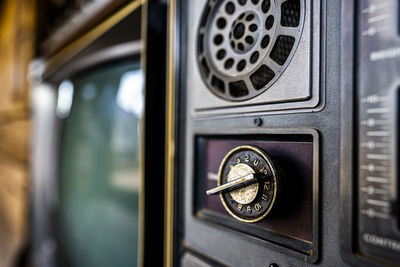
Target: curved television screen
x: 99, y: 165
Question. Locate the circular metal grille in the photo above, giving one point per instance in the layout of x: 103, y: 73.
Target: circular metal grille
x: 244, y: 46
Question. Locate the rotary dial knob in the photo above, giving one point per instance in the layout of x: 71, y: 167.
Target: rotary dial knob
x: 248, y: 183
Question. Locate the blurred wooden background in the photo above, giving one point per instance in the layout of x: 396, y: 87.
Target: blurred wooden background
x: 17, y: 28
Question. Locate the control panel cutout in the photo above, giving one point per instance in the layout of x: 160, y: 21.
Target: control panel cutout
x: 293, y: 223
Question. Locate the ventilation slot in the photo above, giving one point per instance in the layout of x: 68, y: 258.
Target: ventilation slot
x: 230, y: 8
x: 238, y: 89
x: 290, y: 16
x: 282, y: 48
x: 266, y: 4
x: 218, y: 84
x: 206, y: 69
x: 201, y: 47
x: 221, y: 23
x: 264, y: 41
x: 241, y: 65
x: 254, y: 57
x: 269, y: 22
x: 221, y: 54
x: 261, y: 77
x: 229, y: 63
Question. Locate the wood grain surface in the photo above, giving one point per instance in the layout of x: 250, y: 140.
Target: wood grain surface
x: 17, y: 24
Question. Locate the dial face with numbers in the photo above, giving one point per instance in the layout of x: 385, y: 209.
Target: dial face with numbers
x: 250, y: 202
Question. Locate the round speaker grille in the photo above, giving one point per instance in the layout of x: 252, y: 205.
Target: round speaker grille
x: 244, y: 46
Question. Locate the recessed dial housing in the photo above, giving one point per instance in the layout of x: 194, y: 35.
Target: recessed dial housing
x: 252, y: 201
x: 243, y: 46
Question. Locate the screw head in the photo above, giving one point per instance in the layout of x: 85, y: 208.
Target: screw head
x: 257, y: 122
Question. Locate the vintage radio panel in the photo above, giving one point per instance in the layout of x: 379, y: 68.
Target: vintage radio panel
x: 286, y: 152
x: 248, y: 157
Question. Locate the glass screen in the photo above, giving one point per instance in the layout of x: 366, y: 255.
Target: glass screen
x: 99, y: 166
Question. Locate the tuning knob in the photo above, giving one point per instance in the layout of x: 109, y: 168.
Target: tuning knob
x: 248, y: 183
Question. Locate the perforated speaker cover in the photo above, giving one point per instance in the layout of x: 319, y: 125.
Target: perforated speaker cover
x: 244, y: 46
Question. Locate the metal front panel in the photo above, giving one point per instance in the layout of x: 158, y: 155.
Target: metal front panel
x: 231, y: 242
